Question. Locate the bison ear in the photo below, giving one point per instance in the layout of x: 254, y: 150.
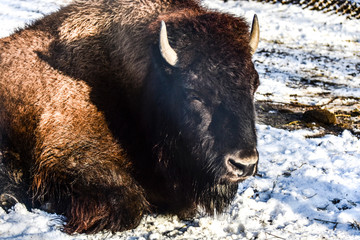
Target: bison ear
x: 167, y: 52
x: 254, y: 35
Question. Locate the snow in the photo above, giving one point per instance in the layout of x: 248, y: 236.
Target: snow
x: 300, y: 45
x: 306, y: 188
x: 17, y: 13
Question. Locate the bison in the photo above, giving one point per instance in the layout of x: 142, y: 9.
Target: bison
x: 110, y: 109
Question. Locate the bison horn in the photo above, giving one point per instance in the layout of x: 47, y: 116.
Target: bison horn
x: 254, y: 35
x: 167, y: 52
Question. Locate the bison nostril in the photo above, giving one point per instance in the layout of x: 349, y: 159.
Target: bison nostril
x: 242, y: 163
x: 238, y: 167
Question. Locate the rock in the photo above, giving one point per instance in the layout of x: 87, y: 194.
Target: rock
x: 321, y: 116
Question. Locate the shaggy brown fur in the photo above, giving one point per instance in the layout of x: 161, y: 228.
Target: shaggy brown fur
x: 71, y: 86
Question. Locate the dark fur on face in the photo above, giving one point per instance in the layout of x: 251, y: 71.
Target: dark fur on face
x: 106, y: 130
x: 200, y: 111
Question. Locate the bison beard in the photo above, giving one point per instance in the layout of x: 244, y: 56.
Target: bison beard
x: 113, y: 109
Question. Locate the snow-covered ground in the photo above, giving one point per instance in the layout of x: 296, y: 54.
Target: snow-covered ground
x: 307, y: 188
x: 302, y: 53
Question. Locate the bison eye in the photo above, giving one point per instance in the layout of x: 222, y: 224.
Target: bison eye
x: 196, y: 99
x: 202, y: 116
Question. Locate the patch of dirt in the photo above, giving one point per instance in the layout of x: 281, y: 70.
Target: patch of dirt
x: 345, y: 115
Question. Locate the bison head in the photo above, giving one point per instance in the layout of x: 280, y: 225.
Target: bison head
x: 200, y: 106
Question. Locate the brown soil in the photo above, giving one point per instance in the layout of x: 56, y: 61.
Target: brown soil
x: 294, y: 116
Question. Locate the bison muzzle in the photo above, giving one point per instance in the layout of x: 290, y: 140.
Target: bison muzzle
x: 110, y: 109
